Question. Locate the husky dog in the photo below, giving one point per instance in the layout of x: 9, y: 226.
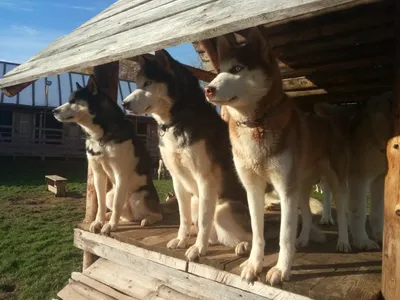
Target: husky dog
x: 115, y: 153
x: 369, y: 129
x: 195, y: 148
x: 273, y: 142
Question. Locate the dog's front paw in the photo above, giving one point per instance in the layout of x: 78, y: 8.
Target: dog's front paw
x: 243, y: 248
x: 365, y: 245
x: 343, y: 246
x: 250, y: 269
x: 326, y: 220
x: 144, y: 222
x: 108, y: 227
x: 95, y: 226
x: 276, y: 276
x: 194, y: 252
x: 178, y: 243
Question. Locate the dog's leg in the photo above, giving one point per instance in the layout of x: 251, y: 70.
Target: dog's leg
x: 231, y: 221
x: 376, y: 215
x: 358, y: 215
x: 185, y: 217
x: 326, y: 218
x: 255, y: 188
x: 306, y: 216
x: 207, y: 202
x: 100, y: 185
x: 287, y: 237
x: 120, y: 195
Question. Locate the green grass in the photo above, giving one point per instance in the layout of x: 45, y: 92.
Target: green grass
x: 36, y: 229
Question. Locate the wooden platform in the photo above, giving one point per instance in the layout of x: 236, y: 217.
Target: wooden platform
x: 318, y: 271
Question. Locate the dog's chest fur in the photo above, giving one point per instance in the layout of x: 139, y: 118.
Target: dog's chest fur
x: 187, y: 163
x: 115, y: 158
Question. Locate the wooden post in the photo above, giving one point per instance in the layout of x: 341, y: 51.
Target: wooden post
x: 107, y: 78
x: 391, y: 231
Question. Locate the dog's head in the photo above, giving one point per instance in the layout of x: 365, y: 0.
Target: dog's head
x: 89, y: 106
x: 246, y: 73
x: 160, y: 84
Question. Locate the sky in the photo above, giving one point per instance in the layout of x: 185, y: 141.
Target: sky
x: 28, y: 26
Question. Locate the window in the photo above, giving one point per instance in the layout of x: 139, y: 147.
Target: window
x: 6, y: 120
x: 141, y: 128
x: 47, y: 129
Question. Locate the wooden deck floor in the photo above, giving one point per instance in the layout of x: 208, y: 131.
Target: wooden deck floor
x: 319, y: 272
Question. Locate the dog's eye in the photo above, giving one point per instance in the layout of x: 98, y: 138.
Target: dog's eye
x: 236, y: 69
x: 147, y: 83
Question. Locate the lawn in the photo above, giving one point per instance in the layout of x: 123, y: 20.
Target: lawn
x: 36, y: 229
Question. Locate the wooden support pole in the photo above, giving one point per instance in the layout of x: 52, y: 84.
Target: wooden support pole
x: 391, y: 236
x: 107, y: 78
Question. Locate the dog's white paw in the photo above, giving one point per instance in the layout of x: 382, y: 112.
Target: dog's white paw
x: 326, y: 220
x: 144, y: 222
x: 301, y: 242
x: 275, y: 276
x: 365, y: 244
x: 108, y: 227
x: 250, y: 269
x: 95, y: 226
x: 343, y: 246
x: 177, y: 243
x: 194, y: 252
x: 243, y: 248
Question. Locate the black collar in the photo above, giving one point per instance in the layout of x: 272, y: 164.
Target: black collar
x: 270, y: 112
x: 163, y: 128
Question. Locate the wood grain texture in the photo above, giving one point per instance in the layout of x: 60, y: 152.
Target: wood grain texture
x: 91, y: 45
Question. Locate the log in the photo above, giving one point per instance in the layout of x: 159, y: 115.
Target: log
x: 107, y: 78
x: 391, y: 227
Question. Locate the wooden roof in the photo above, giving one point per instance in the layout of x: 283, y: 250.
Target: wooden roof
x: 130, y: 28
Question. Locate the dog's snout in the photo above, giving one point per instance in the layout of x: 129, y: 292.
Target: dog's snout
x: 210, y: 91
x: 56, y: 111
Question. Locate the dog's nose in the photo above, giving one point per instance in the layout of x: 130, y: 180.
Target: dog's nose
x: 55, y: 111
x: 125, y: 104
x: 209, y: 91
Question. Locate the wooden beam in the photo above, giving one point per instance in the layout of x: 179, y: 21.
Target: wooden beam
x: 11, y: 91
x: 107, y: 78
x: 391, y: 237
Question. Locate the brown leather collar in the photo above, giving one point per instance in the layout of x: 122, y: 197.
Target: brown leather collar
x: 270, y: 113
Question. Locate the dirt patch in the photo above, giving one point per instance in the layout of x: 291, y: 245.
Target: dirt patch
x: 45, y: 201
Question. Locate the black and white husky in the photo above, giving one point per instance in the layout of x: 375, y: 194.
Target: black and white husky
x: 114, y: 152
x: 195, y: 148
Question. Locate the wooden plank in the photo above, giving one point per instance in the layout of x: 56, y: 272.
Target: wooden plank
x: 206, y: 21
x: 391, y: 237
x: 110, y: 248
x: 68, y: 293
x: 88, y: 292
x: 79, y: 277
x: 168, y: 283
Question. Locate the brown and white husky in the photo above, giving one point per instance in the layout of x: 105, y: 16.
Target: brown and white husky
x: 368, y: 131
x: 195, y: 148
x: 275, y: 143
x: 116, y: 154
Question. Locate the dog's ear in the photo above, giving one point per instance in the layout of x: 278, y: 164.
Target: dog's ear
x: 165, y: 59
x: 78, y: 86
x: 258, y: 43
x: 92, y: 85
x: 223, y: 47
x: 141, y: 60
